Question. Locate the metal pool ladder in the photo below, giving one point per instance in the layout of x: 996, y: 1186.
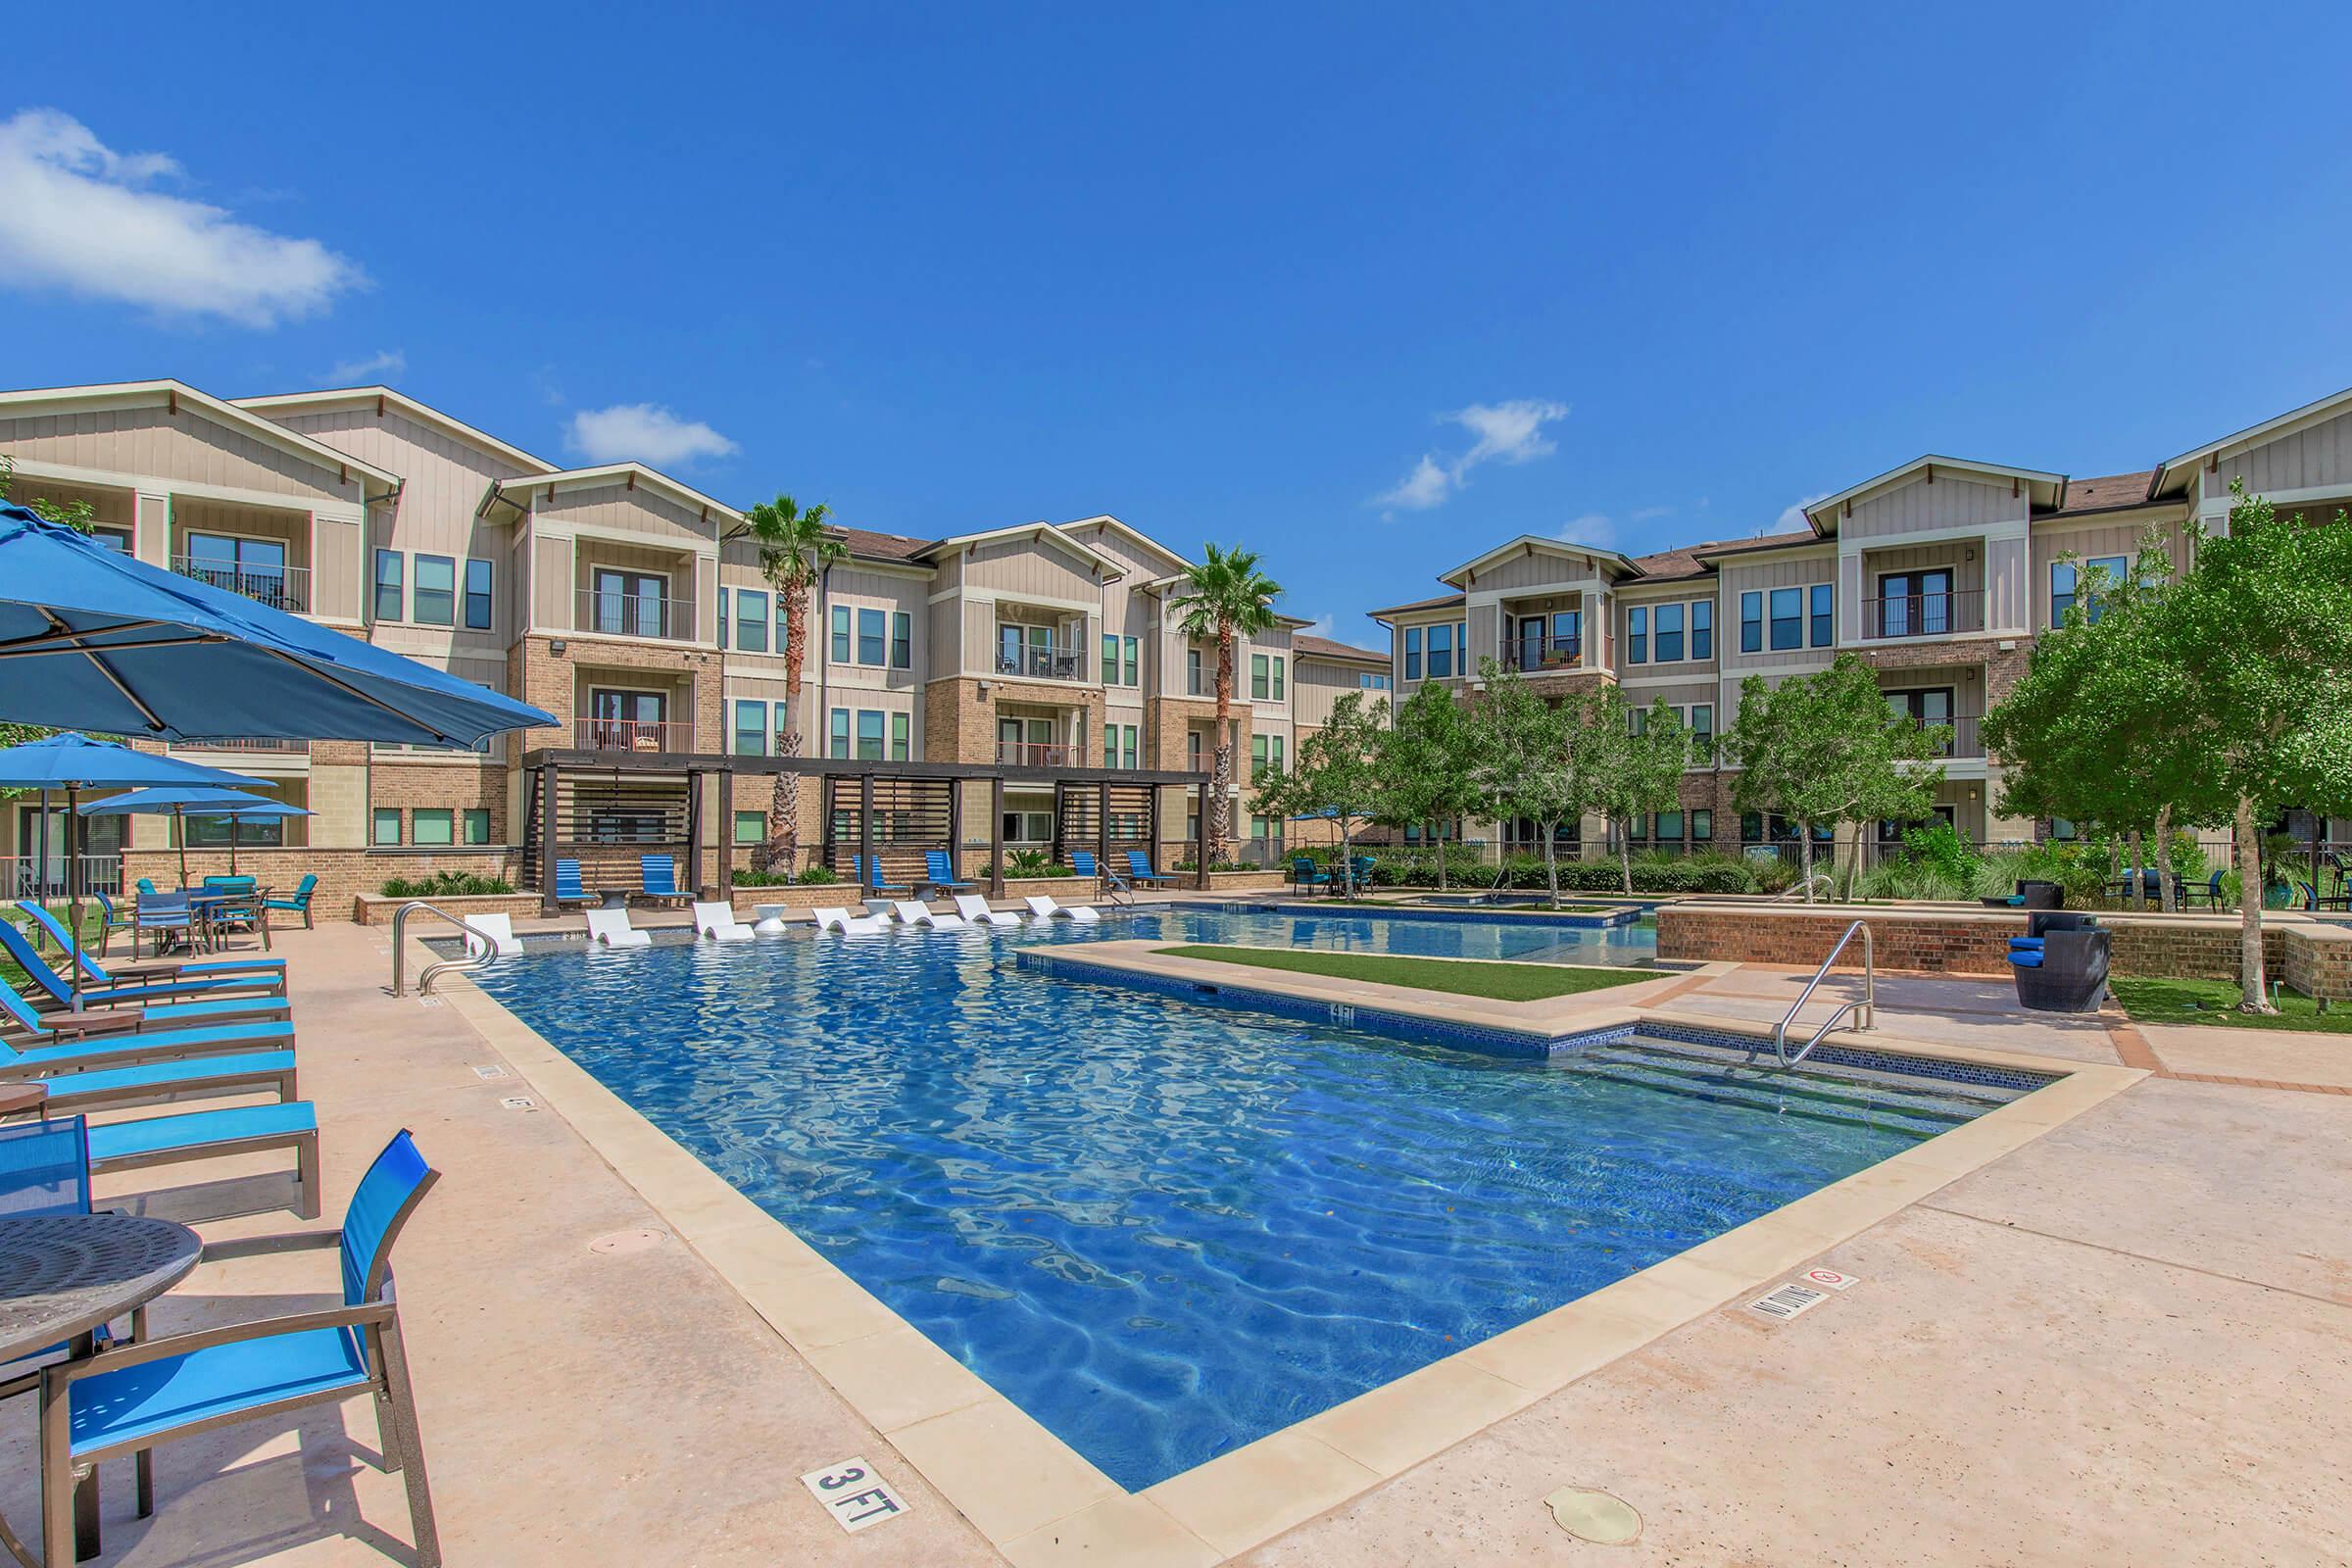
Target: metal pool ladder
x: 434, y: 970
x: 1866, y: 1010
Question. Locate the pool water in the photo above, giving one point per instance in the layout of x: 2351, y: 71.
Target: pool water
x: 1444, y: 936
x: 1163, y: 1229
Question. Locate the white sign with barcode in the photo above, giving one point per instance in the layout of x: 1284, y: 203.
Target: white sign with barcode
x: 1788, y: 1301
x: 853, y: 1495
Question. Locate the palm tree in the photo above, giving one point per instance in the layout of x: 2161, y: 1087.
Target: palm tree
x: 1224, y: 597
x: 793, y: 547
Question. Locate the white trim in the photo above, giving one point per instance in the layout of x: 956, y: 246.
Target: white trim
x: 141, y: 487
x: 1034, y: 533
x: 1089, y: 608
x: 423, y: 412
x: 2003, y: 532
x: 2211, y: 506
x: 1528, y: 544
x: 1960, y: 467
x: 534, y: 490
x: 1107, y: 522
x: 2253, y: 435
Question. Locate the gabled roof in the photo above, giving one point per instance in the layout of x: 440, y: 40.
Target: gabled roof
x: 1442, y: 601
x: 2176, y: 473
x: 1325, y: 648
x: 632, y: 474
x: 171, y: 394
x: 2043, y: 489
x: 381, y: 398
x: 1107, y: 521
x: 873, y: 546
x: 1738, y: 547
x: 1527, y: 544
x: 2110, y: 492
x: 1036, y: 532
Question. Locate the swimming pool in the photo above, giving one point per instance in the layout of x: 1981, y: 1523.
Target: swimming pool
x: 1166, y: 1230
x: 1441, y: 934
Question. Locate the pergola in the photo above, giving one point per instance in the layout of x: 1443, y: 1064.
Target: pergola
x: 1094, y: 807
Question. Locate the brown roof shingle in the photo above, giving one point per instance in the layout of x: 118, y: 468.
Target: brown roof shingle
x: 882, y: 546
x: 2105, y: 493
x: 1325, y: 648
x: 1438, y: 603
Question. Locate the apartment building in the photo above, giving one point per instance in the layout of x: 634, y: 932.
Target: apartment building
x: 1939, y: 574
x: 631, y: 607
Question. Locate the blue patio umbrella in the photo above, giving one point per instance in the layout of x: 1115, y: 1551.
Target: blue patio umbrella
x: 234, y: 805
x: 95, y: 638
x: 74, y: 763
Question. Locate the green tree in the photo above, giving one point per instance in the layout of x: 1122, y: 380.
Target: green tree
x: 796, y: 546
x: 1633, y: 761
x: 77, y: 515
x: 1333, y: 774
x: 1523, y: 762
x: 1224, y: 597
x: 1822, y: 750
x: 1424, y: 763
x: 2259, y: 631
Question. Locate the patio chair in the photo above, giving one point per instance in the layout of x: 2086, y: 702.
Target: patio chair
x: 2210, y: 893
x: 1105, y: 879
x: 111, y: 920
x: 146, y: 886
x: 297, y: 902
x: 716, y: 920
x: 940, y: 873
x: 658, y: 878
x: 1042, y: 907
x: 1359, y: 869
x: 975, y: 911
x: 912, y: 913
x: 610, y: 928
x: 492, y: 936
x: 837, y: 918
x: 568, y: 884
x: 2062, y: 970
x: 42, y: 1043
x: 2314, y: 901
x: 877, y: 886
x: 1306, y: 875
x: 263, y: 995
x: 159, y: 1083
x: 18, y: 1008
x: 138, y: 971
x: 169, y: 916
x: 136, y: 1396
x: 1139, y: 870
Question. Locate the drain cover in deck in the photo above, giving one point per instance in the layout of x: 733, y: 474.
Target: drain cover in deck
x: 636, y: 1241
x: 1596, y: 1516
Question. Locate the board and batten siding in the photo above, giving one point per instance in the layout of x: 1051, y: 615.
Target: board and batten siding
x: 186, y: 448
x: 1034, y: 569
x: 1751, y: 576
x: 617, y: 509
x: 1922, y: 505
x: 2091, y: 541
x: 2318, y: 457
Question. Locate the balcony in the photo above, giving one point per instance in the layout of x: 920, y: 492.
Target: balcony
x: 1036, y: 754
x: 286, y: 588
x: 1041, y: 664
x: 625, y: 615
x: 1537, y: 654
x: 1958, y: 737
x: 1924, y: 615
x: 280, y: 748
x: 631, y: 735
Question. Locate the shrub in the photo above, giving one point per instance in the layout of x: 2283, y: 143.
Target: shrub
x: 443, y: 885
x: 743, y: 876
x: 817, y: 876
x: 1027, y: 865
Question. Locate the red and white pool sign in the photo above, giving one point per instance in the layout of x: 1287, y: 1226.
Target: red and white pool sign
x: 1829, y: 1278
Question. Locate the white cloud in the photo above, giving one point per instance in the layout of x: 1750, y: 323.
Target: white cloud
x: 78, y: 216
x: 1652, y: 514
x: 384, y: 364
x: 644, y: 432
x: 1593, y: 528
x: 1320, y: 626
x: 1511, y: 432
x: 1792, y: 517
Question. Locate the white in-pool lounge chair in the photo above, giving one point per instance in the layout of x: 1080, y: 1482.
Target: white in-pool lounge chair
x: 716, y: 920
x: 912, y: 913
x: 1042, y: 907
x: 837, y: 918
x: 499, y: 936
x: 610, y: 928
x: 975, y: 910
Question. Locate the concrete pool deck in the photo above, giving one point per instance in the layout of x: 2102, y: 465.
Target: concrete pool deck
x: 2119, y: 1328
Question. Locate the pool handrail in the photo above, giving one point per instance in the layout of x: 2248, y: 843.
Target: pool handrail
x: 1866, y: 1010
x: 433, y: 971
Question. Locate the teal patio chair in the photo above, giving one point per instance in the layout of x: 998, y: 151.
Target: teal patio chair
x: 569, y: 888
x: 1083, y: 862
x: 878, y: 886
x: 1306, y: 874
x: 146, y: 886
x: 111, y: 920
x: 658, y: 879
x: 939, y: 871
x: 135, y: 1398
x: 297, y: 902
x: 1139, y: 869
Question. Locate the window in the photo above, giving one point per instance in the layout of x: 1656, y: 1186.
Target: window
x: 632, y: 604
x: 434, y: 824
x: 387, y: 825
x: 1192, y: 752
x: 1372, y: 683
x: 1702, y: 734
x: 1636, y: 635
x: 751, y: 621
x: 1787, y: 618
x: 1258, y: 678
x: 840, y: 634
x: 2061, y: 828
x: 117, y: 539
x: 1119, y: 745
x: 838, y: 736
x: 1122, y: 663
x: 1702, y: 826
x: 1751, y: 623
x: 723, y: 627
x: 869, y: 735
x: 1412, y: 653
x: 1702, y: 628
x: 388, y: 591
x: 872, y: 628
x: 1279, y: 662
x: 477, y: 595
x: 1028, y: 827
x: 1670, y: 827
x: 902, y: 639
x: 1825, y: 614
x: 1440, y: 653
x: 751, y: 729
x: 436, y: 601
x: 1265, y: 757
x: 1670, y: 635
x: 750, y: 827
x: 477, y: 825
x: 2065, y: 584
x: 902, y: 728
x: 1192, y: 672
x: 254, y: 568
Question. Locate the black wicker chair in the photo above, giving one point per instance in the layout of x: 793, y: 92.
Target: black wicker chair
x: 2063, y: 969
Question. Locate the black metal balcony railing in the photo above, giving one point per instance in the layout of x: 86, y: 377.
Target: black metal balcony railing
x: 1543, y: 653
x: 632, y: 735
x: 1036, y: 754
x: 1924, y: 615
x: 620, y: 615
x: 1042, y: 664
x: 286, y: 588
x: 1957, y: 735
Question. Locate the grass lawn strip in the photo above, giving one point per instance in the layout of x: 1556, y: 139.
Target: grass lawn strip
x: 2214, y: 1004
x: 1493, y: 980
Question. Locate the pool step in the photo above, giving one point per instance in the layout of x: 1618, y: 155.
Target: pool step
x: 1783, y: 1094
x: 1969, y: 1099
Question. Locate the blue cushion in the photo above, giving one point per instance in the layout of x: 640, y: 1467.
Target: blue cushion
x: 233, y: 966
x: 163, y: 1042
x: 2026, y: 959
x: 156, y: 1135
x: 113, y: 1407
x: 171, y: 1074
x: 196, y: 1013
x: 2034, y: 943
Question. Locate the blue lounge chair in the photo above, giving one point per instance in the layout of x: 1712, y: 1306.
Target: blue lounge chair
x: 877, y: 886
x: 54, y: 1043
x: 267, y: 988
x: 17, y: 1011
x: 216, y: 1135
x: 138, y: 1395
x: 191, y: 1078
x: 942, y: 873
x: 657, y: 875
x: 1083, y: 862
x: 1306, y: 874
x: 1139, y: 869
x: 568, y: 883
x: 138, y: 972
x: 299, y: 901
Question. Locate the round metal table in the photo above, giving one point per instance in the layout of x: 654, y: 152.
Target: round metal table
x: 62, y: 1275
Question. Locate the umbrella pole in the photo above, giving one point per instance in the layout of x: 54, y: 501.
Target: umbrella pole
x: 180, y: 836
x: 232, y: 845
x: 40, y: 865
x: 74, y: 870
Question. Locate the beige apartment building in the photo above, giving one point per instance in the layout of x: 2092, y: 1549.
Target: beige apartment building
x: 630, y: 606
x: 1940, y: 574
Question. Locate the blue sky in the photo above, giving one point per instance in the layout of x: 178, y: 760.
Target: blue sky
x: 1366, y: 288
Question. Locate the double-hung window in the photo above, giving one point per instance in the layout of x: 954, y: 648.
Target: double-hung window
x: 872, y: 630
x: 751, y: 728
x: 1192, y: 672
x: 724, y: 625
x: 1440, y: 653
x: 1825, y: 613
x: 1258, y: 680
x: 1121, y: 659
x: 477, y: 595
x: 902, y: 639
x: 1670, y: 635
x: 436, y: 600
x: 1787, y: 618
x: 2069, y: 585
x: 1751, y: 623
x: 869, y: 735
x: 1702, y: 628
x: 477, y: 824
x: 750, y: 622
x: 1412, y: 653
x: 837, y: 735
x: 901, y: 727
x: 389, y: 588
x: 1636, y: 635
x: 1702, y: 734
x: 840, y: 634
